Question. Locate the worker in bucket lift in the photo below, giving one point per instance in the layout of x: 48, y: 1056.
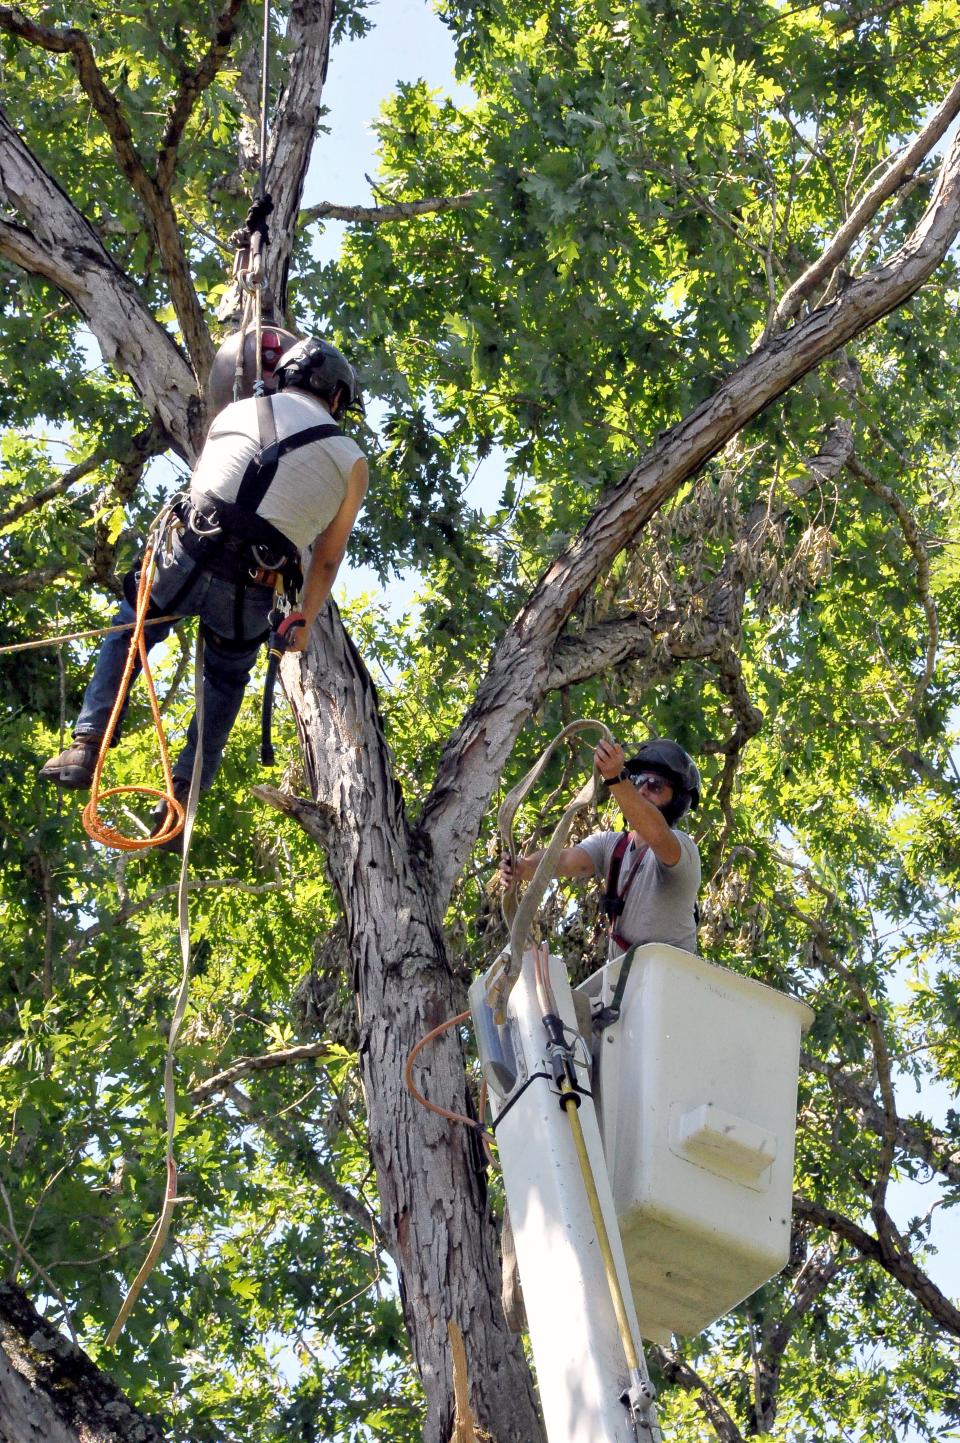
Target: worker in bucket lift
x: 256, y: 503
x: 651, y: 871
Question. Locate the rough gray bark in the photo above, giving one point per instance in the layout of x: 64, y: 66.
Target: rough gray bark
x: 429, y: 1175
x: 49, y: 237
x: 50, y: 1392
x: 395, y: 880
x: 294, y: 130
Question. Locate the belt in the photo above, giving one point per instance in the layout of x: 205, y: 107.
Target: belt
x: 227, y: 560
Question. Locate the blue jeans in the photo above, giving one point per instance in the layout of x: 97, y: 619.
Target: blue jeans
x: 227, y: 661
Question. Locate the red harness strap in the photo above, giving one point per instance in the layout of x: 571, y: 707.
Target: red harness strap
x: 614, y: 899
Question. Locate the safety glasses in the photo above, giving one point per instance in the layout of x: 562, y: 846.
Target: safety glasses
x: 650, y: 782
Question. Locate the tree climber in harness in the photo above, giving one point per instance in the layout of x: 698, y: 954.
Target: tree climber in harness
x: 651, y: 872
x: 276, y: 476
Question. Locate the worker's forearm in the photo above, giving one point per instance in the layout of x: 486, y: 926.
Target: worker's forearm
x: 317, y: 587
x: 524, y: 867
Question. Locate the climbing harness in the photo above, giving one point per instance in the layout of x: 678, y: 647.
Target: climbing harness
x: 614, y: 896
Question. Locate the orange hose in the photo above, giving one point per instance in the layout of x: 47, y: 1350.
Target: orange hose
x: 174, y: 817
x: 431, y: 1106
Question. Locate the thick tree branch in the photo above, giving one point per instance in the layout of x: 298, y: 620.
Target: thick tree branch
x: 899, y: 171
x: 148, y: 442
x: 294, y: 129
x: 393, y: 210
x: 816, y: 1276
x: 521, y: 667
x: 55, y: 241
x: 286, y: 1057
x: 630, y: 636
x: 681, y: 1375
x: 894, y: 1260
x: 160, y: 216
x: 49, y: 1389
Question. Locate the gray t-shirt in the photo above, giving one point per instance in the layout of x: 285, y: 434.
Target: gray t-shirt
x: 310, y: 484
x: 659, y: 900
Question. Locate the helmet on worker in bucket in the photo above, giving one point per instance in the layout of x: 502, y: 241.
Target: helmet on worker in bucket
x: 668, y: 759
x: 318, y: 367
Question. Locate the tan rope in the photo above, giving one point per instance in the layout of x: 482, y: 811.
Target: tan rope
x: 520, y: 917
x: 82, y: 635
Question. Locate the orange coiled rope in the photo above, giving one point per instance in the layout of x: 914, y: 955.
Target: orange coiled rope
x: 173, y: 820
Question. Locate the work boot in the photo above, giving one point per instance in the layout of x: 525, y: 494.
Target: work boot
x: 75, y: 766
x: 181, y: 790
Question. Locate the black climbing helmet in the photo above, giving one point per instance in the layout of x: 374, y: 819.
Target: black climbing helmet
x: 318, y: 367
x: 669, y: 760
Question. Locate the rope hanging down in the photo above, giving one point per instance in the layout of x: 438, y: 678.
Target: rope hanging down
x: 172, y: 824
x: 162, y: 1225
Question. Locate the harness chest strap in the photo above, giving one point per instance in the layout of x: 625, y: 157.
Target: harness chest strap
x: 614, y: 899
x: 239, y: 517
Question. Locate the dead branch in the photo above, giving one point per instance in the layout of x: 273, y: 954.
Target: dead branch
x: 286, y: 1057
x: 394, y: 210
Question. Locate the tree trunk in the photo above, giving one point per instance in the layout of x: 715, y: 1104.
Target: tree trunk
x: 50, y: 1392
x: 430, y: 1175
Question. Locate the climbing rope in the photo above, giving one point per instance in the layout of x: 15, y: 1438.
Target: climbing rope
x: 80, y: 635
x: 162, y: 1225
x: 173, y: 819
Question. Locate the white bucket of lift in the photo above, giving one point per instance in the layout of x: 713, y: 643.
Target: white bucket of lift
x: 697, y: 1087
x: 578, y: 1352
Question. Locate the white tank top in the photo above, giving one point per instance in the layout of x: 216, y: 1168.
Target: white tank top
x: 308, y: 489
